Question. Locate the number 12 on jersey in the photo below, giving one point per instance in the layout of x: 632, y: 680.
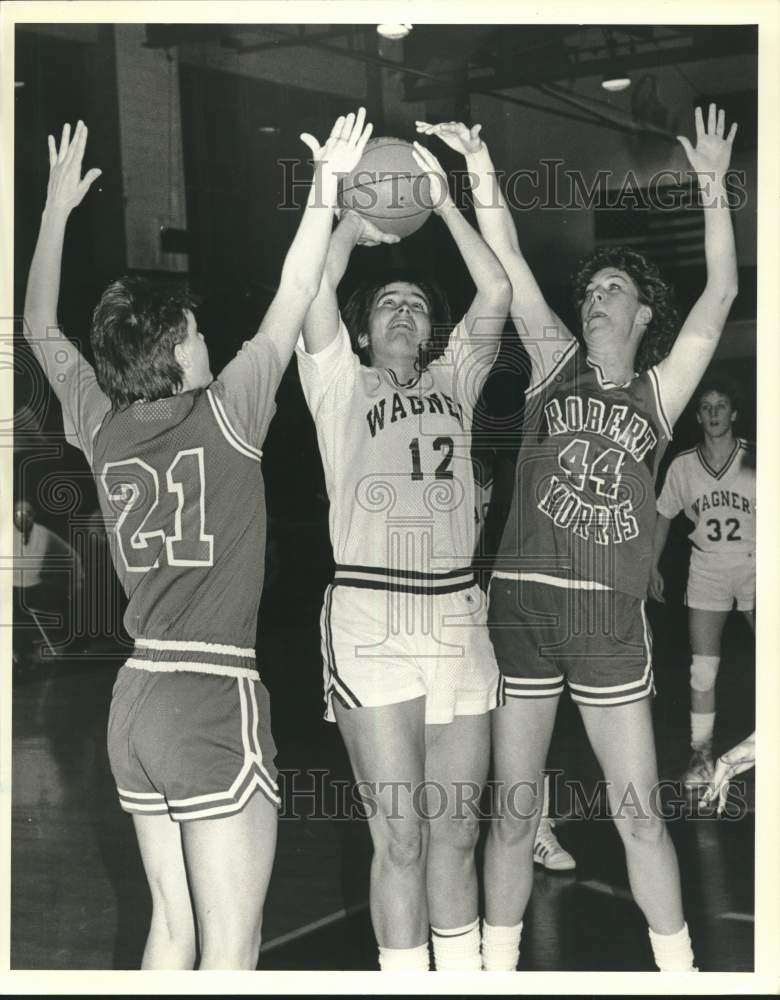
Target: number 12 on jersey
x: 132, y: 488
x: 442, y: 470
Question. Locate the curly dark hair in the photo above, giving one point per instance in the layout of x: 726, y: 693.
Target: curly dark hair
x: 653, y: 291
x: 357, y: 314
x: 135, y: 328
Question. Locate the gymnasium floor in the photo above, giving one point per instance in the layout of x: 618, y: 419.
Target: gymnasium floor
x: 79, y: 899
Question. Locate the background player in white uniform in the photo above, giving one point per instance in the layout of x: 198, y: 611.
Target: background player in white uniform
x: 410, y: 673
x: 565, y: 564
x: 714, y: 484
x: 177, y: 454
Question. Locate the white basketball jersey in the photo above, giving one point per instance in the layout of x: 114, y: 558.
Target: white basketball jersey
x: 397, y: 463
x: 721, y: 503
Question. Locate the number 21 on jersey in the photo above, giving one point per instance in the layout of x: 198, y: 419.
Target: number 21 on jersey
x: 133, y: 491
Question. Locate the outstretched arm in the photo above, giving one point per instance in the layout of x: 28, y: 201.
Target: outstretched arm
x: 305, y: 260
x: 66, y: 189
x: 322, y: 320
x: 487, y: 313
x: 540, y: 329
x: 681, y: 371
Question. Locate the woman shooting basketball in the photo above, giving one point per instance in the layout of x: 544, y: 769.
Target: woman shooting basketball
x: 410, y: 675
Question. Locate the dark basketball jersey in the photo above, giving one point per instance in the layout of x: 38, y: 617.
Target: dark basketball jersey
x: 181, y: 492
x: 584, y: 504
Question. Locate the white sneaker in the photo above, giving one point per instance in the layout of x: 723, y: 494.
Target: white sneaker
x: 548, y: 852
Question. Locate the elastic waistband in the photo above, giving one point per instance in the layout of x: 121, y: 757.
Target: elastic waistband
x: 168, y: 655
x: 404, y: 581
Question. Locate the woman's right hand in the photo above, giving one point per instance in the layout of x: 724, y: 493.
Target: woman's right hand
x: 656, y: 586
x: 368, y: 234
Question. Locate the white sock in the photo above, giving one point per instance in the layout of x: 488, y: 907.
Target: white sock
x: 405, y: 959
x: 672, y: 952
x: 500, y: 947
x: 702, y: 727
x: 456, y: 949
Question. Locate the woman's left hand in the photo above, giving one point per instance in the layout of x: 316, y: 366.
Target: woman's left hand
x: 458, y: 136
x: 712, y: 153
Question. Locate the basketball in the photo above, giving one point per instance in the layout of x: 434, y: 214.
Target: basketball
x: 388, y: 187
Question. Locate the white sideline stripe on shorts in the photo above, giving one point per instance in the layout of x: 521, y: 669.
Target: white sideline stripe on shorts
x: 141, y: 795
x: 617, y: 700
x: 549, y: 693
x: 519, y: 681
x: 230, y: 807
x: 143, y: 807
x: 192, y: 666
x: 631, y: 684
x: 553, y: 581
x: 195, y: 647
x: 334, y: 681
x: 253, y: 758
x: 227, y: 429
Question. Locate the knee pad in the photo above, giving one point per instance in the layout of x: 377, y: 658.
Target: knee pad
x: 704, y: 671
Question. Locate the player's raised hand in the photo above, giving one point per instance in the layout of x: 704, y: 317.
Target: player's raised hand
x: 369, y: 234
x: 67, y: 187
x: 712, y: 152
x: 345, y: 144
x: 458, y: 136
x: 437, y: 178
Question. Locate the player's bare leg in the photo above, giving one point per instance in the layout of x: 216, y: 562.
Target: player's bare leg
x: 706, y: 631
x: 522, y: 731
x: 386, y: 748
x: 622, y: 739
x: 172, y: 936
x: 229, y: 862
x: 456, y: 766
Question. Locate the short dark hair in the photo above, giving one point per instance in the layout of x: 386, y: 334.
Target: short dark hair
x: 135, y: 328
x: 653, y: 290
x: 722, y: 384
x: 357, y: 313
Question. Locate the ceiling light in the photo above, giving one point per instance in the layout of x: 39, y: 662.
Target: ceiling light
x: 394, y: 31
x: 616, y: 81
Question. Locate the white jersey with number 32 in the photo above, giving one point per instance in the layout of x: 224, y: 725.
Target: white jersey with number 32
x: 721, y: 503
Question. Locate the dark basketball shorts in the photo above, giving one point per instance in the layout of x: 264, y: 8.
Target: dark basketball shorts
x: 193, y: 745
x: 597, y: 640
